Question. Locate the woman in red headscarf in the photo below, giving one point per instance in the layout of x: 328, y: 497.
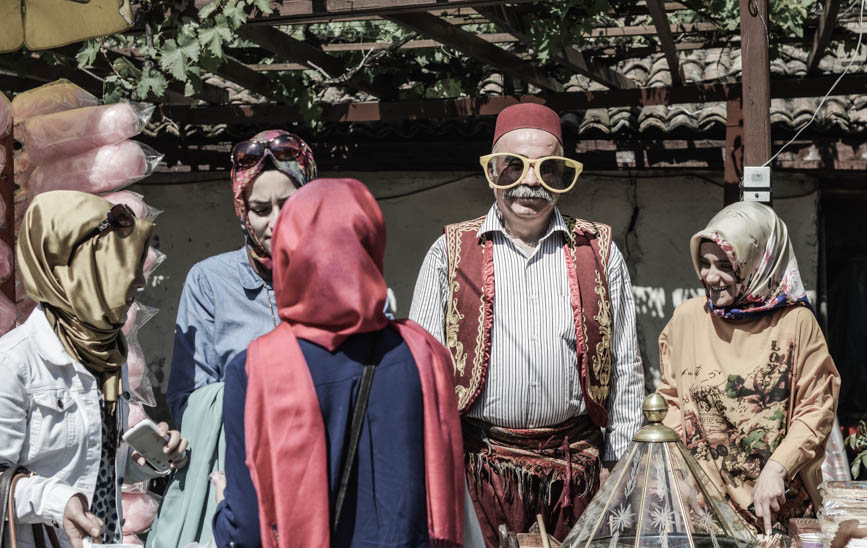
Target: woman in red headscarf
x: 289, y: 399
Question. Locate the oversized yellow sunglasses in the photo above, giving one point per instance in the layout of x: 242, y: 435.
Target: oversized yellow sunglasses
x: 556, y: 173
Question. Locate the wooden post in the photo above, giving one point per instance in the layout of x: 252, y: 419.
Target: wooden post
x: 756, y: 88
x: 734, y: 151
x: 7, y: 194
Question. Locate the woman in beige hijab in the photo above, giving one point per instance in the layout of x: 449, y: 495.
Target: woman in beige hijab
x: 751, y: 387
x: 63, y: 405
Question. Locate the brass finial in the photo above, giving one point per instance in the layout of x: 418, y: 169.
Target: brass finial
x: 654, y: 408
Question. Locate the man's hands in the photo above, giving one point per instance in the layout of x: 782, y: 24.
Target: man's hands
x: 769, y: 494
x: 78, y: 523
x: 607, y: 466
x: 175, y: 448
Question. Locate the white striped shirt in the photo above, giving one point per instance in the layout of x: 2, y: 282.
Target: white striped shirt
x: 533, y: 378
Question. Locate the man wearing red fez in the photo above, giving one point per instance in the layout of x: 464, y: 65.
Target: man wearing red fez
x: 536, y: 310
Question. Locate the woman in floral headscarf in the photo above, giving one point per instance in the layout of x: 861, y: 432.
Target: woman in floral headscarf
x: 227, y: 302
x: 751, y: 387
x: 228, y: 299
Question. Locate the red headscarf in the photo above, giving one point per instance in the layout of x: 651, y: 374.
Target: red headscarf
x: 328, y: 248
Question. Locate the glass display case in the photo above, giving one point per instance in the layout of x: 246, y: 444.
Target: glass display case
x: 658, y: 496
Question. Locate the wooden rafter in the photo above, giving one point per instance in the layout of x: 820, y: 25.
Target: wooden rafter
x: 823, y: 35
x: 290, y: 49
x: 303, y: 11
x: 571, y: 57
x: 237, y: 72
x: 40, y: 70
x: 470, y: 44
x: 666, y: 40
x: 786, y: 88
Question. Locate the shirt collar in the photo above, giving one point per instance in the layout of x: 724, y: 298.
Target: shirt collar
x: 249, y: 279
x: 493, y: 223
x: 48, y: 345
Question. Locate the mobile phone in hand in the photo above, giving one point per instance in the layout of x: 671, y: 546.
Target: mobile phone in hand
x: 145, y: 438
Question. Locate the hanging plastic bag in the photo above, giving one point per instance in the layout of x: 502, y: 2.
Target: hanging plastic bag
x: 102, y: 169
x: 136, y: 414
x: 49, y: 98
x: 140, y: 386
x: 135, y: 202
x: 62, y: 134
x: 139, y: 511
x: 5, y: 261
x: 5, y: 115
x: 154, y: 258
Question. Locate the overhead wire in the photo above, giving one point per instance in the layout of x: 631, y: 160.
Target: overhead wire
x: 834, y: 85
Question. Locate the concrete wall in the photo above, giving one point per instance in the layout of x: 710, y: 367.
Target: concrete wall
x: 653, y: 217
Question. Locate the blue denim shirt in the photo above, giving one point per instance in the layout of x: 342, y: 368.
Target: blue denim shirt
x: 224, y: 306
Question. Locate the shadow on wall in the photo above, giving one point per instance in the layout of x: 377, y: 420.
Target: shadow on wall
x: 653, y: 219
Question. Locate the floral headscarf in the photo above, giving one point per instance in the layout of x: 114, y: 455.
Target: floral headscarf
x: 301, y: 170
x: 756, y: 242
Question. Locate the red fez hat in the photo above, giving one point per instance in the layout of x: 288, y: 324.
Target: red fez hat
x: 528, y: 115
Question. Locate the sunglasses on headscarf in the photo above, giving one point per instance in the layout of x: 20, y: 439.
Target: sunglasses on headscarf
x: 283, y: 148
x: 119, y: 216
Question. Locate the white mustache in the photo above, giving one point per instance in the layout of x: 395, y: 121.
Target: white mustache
x: 524, y: 191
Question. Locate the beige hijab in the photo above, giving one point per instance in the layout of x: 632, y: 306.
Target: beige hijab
x: 82, y: 289
x: 756, y: 242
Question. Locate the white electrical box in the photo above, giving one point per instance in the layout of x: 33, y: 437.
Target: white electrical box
x: 757, y: 177
x: 763, y: 196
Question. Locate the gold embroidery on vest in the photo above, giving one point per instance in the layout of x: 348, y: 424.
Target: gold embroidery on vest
x: 476, y: 377
x: 602, y: 356
x: 604, y: 243
x: 453, y: 316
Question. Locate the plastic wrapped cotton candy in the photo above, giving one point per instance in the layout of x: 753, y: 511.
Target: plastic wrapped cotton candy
x: 139, y: 382
x: 98, y: 170
x: 134, y: 201
x: 136, y: 414
x: 8, y: 314
x: 53, y: 97
x: 130, y: 320
x: 5, y: 261
x: 139, y: 511
x: 5, y: 114
x: 22, y: 202
x: 71, y: 132
x: 154, y: 258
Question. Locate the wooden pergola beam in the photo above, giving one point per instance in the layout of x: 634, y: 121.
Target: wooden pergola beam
x: 37, y: 69
x: 823, y: 34
x: 251, y: 115
x: 237, y: 72
x: 293, y: 50
x: 571, y: 58
x: 470, y: 44
x: 303, y: 11
x: 666, y: 40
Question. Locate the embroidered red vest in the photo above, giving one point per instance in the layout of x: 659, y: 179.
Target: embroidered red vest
x: 470, y: 312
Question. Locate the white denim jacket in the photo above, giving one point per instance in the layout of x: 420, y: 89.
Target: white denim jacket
x: 50, y: 423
